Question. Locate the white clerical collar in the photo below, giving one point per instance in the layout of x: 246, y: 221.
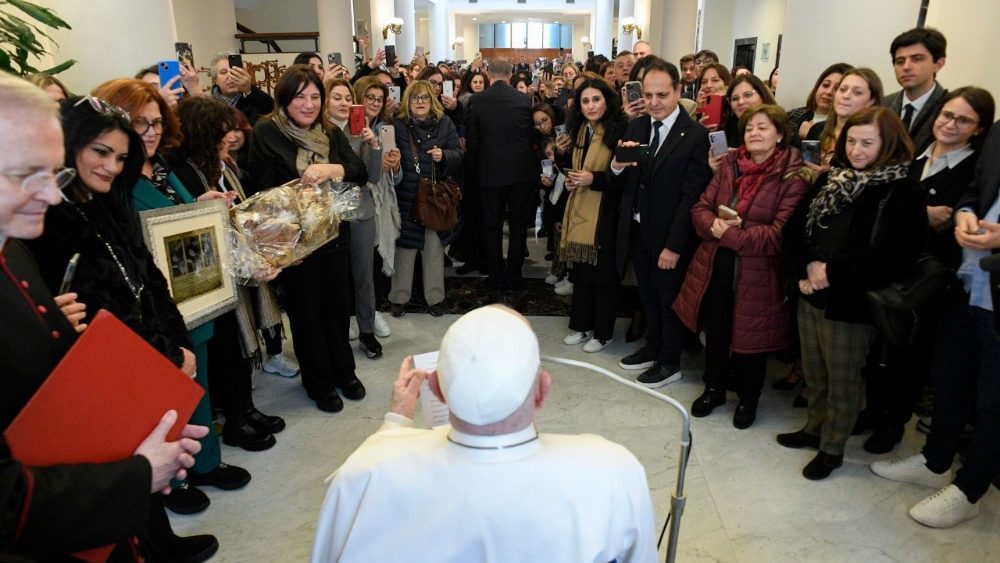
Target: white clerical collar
x: 524, y: 440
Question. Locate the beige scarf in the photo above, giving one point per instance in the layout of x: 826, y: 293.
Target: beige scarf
x: 583, y: 208
x: 313, y: 144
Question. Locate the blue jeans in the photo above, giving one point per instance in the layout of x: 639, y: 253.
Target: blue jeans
x: 966, y: 362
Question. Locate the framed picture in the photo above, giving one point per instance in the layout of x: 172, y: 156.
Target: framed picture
x: 190, y: 246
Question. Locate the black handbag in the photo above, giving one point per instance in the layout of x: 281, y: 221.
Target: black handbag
x: 898, y: 308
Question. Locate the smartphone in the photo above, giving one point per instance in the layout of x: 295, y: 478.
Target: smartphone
x: 547, y: 168
x: 387, y: 136
x: 335, y: 59
x: 184, y: 53
x: 713, y: 109
x: 448, y: 88
x: 633, y: 91
x: 394, y: 93
x: 640, y: 153
x: 717, y: 140
x: 810, y: 151
x: 357, y: 120
x: 390, y: 55
x: 419, y: 52
x: 590, y: 54
x: 560, y: 130
x: 67, y: 280
x: 727, y: 213
x: 235, y: 61
x: 168, y: 70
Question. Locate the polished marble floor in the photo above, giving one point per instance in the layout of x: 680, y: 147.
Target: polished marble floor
x: 746, y: 498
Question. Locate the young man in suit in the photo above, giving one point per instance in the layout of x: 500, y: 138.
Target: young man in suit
x: 654, y: 226
x: 498, y: 135
x: 966, y: 365
x: 917, y: 56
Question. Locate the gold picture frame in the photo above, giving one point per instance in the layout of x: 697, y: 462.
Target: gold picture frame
x: 190, y: 246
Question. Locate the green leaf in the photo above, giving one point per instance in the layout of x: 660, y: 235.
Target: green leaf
x: 43, y: 15
x: 5, y: 61
x: 60, y: 67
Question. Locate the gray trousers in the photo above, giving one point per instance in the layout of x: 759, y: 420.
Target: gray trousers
x: 433, y: 266
x: 833, y: 353
x: 362, y: 264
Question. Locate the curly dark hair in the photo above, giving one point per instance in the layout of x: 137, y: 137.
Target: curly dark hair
x: 204, y: 123
x: 613, y: 119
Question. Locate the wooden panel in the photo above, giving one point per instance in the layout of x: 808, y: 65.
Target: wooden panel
x: 514, y: 55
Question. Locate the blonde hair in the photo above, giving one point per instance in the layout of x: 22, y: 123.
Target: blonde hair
x: 415, y: 88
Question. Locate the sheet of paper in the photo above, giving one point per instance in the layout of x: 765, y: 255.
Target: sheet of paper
x: 434, y: 411
x: 557, y: 189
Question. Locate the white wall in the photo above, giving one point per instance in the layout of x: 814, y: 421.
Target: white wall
x: 672, y: 28
x: 209, y: 26
x: 717, y: 34
x: 275, y: 16
x: 764, y: 20
x: 809, y: 45
x: 971, y: 44
x: 111, y: 38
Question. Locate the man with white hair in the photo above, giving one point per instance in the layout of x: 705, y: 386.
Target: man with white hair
x: 487, y: 487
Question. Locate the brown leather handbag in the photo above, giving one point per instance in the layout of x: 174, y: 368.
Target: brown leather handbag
x: 436, y: 206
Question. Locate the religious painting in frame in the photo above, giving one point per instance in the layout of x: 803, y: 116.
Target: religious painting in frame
x: 190, y: 245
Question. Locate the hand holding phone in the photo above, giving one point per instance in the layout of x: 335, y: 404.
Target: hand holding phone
x: 717, y: 140
x: 727, y: 213
x: 632, y: 153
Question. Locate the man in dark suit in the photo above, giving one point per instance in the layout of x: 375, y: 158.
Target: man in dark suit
x: 498, y: 133
x: 966, y: 365
x: 917, y: 56
x: 654, y: 226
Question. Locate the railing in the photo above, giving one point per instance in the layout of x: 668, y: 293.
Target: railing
x: 270, y: 39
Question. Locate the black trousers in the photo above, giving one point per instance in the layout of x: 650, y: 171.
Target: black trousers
x: 594, y: 303
x: 318, y: 303
x: 716, y: 320
x: 470, y: 246
x: 229, y: 372
x: 664, y: 331
x: 515, y: 202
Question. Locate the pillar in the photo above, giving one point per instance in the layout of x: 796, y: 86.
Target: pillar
x: 601, y: 27
x: 336, y: 29
x: 406, y: 42
x: 440, y: 46
x: 626, y: 9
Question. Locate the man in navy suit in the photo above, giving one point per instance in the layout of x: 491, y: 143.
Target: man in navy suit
x: 654, y: 226
x: 498, y: 134
x: 917, y: 56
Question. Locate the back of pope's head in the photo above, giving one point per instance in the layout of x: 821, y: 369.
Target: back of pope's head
x: 488, y: 364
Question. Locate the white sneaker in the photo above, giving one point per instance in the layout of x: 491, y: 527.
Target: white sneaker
x: 353, y: 332
x: 551, y: 279
x: 945, y: 508
x: 382, y: 329
x: 564, y: 289
x: 576, y: 338
x: 911, y: 469
x: 562, y: 281
x: 595, y: 345
x: 279, y: 364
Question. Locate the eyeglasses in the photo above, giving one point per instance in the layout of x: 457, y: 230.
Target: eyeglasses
x: 748, y: 95
x: 143, y: 125
x: 420, y: 98
x: 960, y: 120
x: 435, y: 83
x: 374, y: 99
x: 104, y: 107
x: 33, y: 183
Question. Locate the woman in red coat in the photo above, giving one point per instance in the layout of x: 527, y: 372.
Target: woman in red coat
x: 733, y: 289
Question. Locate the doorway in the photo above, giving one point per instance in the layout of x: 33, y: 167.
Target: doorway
x: 745, y: 53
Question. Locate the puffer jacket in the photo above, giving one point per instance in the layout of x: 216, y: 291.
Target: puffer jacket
x: 429, y: 133
x: 760, y: 322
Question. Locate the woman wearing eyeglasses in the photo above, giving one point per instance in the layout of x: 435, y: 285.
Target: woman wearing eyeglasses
x: 340, y: 98
x: 743, y: 93
x: 297, y: 142
x: 115, y: 270
x: 427, y: 141
x: 452, y: 109
x: 945, y: 171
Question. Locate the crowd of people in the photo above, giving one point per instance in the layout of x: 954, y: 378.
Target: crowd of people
x: 757, y: 229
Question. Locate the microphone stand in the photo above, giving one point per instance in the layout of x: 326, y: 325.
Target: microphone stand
x: 677, y: 500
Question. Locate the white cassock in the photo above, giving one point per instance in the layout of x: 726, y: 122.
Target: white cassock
x: 411, y: 494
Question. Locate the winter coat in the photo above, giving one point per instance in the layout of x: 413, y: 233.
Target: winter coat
x: 430, y: 133
x: 760, y: 321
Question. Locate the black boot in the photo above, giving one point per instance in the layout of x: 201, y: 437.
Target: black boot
x: 240, y: 433
x: 263, y: 423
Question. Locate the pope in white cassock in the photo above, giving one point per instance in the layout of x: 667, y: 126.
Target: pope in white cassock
x: 488, y: 487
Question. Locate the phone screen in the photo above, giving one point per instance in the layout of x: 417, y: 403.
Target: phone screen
x: 390, y: 55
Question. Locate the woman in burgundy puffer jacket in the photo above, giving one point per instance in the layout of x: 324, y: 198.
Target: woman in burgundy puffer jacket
x: 734, y: 286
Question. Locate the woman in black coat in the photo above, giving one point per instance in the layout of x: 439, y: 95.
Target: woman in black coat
x: 590, y: 222
x: 864, y: 228
x: 297, y: 142
x: 427, y: 141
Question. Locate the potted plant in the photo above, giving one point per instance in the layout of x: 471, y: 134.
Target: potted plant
x: 19, y: 37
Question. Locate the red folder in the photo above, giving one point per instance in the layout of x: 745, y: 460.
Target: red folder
x: 102, y: 400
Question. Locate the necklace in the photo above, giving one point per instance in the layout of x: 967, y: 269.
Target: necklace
x: 135, y: 290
